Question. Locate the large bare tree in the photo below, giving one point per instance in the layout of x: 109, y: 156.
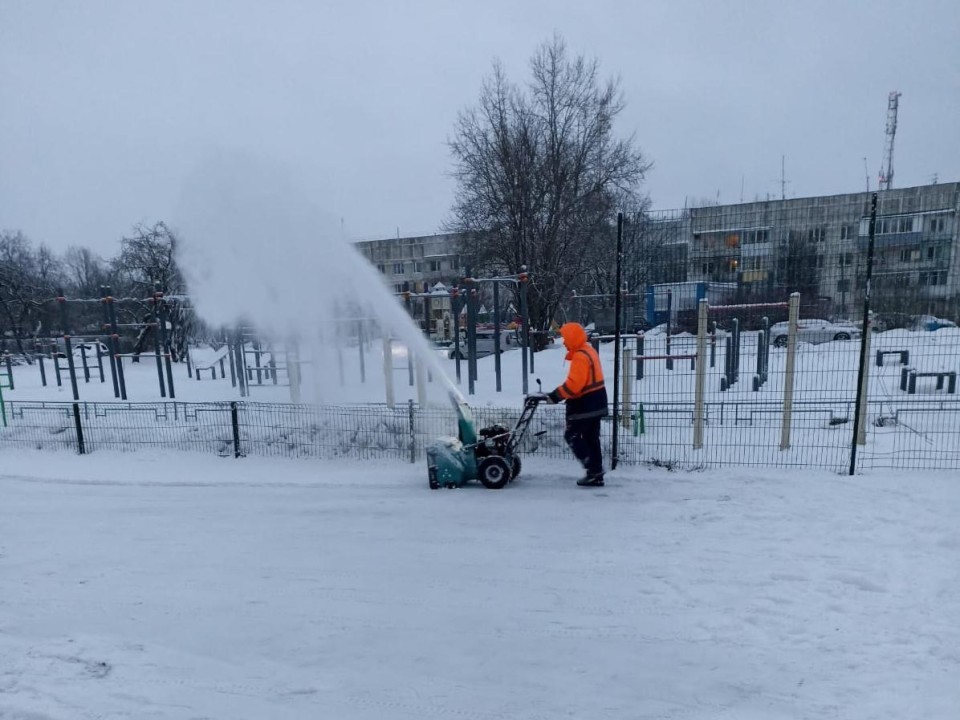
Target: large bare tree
x: 540, y: 174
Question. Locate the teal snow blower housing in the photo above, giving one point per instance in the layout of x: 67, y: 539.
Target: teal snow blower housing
x: 489, y: 456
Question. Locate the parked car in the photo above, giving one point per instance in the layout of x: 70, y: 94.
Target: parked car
x: 814, y: 331
x: 90, y: 348
x: 930, y: 323
x: 485, y: 344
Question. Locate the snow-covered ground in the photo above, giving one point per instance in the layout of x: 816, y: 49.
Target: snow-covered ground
x: 198, y: 587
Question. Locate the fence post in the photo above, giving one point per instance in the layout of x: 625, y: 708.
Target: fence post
x: 388, y: 370
x: 525, y: 319
x: 864, y: 388
x: 713, y: 343
x: 81, y: 449
x: 861, y: 385
x: 421, y: 370
x: 701, y: 377
x: 496, y: 333
x: 235, y: 424
x: 43, y: 372
x: 789, y: 373
x: 10, y: 370
x: 640, y: 352
x: 413, y: 435
x: 626, y: 411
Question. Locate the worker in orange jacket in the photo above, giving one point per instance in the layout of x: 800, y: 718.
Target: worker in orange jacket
x: 586, y: 398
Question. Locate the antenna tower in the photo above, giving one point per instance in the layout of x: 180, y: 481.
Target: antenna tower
x: 886, y: 172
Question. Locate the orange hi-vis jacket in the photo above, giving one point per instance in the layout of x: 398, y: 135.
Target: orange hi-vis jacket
x: 583, y: 391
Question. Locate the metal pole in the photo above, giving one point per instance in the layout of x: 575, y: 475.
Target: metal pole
x: 669, y: 362
x: 115, y: 341
x: 858, y: 415
x: 363, y: 364
x: 789, y: 372
x: 86, y: 366
x: 455, y: 307
x: 496, y: 332
x: 616, y: 344
x: 701, y: 377
x: 156, y: 343
x: 471, y: 340
x: 626, y: 408
x: 105, y: 324
x: 525, y: 320
x: 388, y: 370
x: 165, y: 343
x: 65, y: 326
x: 239, y: 351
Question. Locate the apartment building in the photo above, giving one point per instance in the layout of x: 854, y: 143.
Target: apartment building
x: 818, y: 246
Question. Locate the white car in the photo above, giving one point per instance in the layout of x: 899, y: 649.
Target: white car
x: 485, y: 344
x: 814, y: 331
x: 90, y: 348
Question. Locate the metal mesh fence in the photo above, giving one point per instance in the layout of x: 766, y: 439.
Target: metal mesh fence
x: 765, y: 400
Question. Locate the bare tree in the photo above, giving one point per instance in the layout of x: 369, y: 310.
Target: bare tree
x: 147, y: 258
x: 28, y: 282
x: 85, y: 272
x: 540, y: 174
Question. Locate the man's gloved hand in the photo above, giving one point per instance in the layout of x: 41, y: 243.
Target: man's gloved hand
x: 539, y: 397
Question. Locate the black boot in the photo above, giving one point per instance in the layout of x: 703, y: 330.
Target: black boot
x: 591, y: 480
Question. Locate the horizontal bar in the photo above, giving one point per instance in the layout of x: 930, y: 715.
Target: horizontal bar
x: 665, y: 357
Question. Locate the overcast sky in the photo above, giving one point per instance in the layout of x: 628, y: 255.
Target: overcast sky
x: 106, y: 106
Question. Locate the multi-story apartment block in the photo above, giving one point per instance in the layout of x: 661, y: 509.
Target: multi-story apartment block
x: 818, y: 245
x: 815, y: 245
x: 419, y: 265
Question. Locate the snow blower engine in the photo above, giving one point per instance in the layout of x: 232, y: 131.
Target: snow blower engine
x: 489, y: 456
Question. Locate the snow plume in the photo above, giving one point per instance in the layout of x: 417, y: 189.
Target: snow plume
x: 255, y: 250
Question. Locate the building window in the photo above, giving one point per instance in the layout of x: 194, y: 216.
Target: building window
x: 707, y: 268
x: 848, y: 232
x: 845, y: 259
x: 382, y: 268
x: 818, y: 234
x: 937, y: 225
x: 752, y: 237
x: 433, y: 266
x: 933, y: 278
x: 909, y: 254
x: 398, y: 288
x: 398, y: 268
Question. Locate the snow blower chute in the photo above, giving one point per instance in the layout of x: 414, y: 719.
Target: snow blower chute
x: 489, y: 456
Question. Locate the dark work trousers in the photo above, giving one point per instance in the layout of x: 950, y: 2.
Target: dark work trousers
x: 583, y: 437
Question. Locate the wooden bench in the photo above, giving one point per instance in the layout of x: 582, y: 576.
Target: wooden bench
x: 904, y: 356
x: 908, y: 379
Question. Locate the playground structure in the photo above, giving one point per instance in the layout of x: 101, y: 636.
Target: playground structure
x: 635, y: 359
x: 75, y: 358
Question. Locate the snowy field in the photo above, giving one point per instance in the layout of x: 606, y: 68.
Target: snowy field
x: 743, y: 427
x: 200, y: 587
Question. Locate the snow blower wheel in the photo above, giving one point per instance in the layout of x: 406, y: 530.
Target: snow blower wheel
x: 515, y: 467
x: 493, y: 472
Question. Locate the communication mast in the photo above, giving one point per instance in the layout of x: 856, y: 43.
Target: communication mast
x: 886, y: 172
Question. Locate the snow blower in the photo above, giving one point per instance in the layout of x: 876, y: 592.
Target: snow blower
x: 489, y: 456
